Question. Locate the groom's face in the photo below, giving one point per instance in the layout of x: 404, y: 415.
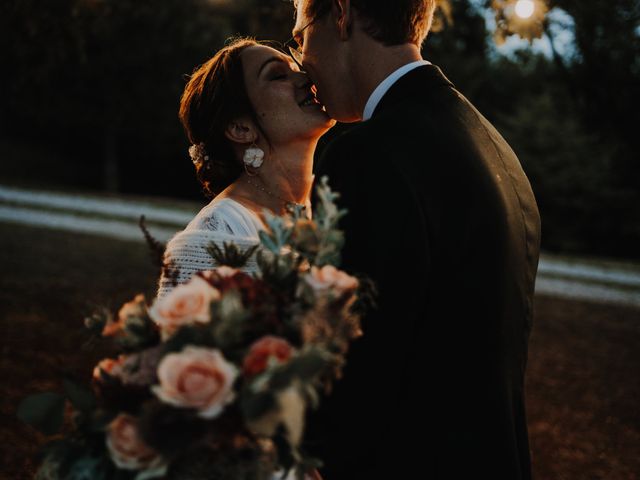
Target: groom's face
x: 325, y: 59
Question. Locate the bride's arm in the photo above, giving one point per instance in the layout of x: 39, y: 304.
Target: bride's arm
x: 186, y: 254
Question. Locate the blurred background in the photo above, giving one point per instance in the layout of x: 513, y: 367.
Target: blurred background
x: 90, y: 94
x: 90, y: 139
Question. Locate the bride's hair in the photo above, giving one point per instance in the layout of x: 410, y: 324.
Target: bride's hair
x: 214, y: 96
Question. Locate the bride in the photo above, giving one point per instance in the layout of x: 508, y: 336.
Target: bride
x: 254, y: 122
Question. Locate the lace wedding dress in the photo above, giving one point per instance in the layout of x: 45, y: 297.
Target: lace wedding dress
x: 221, y: 220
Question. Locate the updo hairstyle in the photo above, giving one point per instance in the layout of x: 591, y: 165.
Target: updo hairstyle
x: 214, y: 96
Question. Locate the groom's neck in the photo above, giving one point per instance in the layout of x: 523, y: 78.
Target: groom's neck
x: 374, y: 62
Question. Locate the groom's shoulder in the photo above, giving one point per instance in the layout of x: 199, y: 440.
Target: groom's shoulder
x: 361, y: 136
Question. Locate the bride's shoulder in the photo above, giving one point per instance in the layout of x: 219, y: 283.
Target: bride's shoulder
x: 227, y: 216
x: 217, y: 216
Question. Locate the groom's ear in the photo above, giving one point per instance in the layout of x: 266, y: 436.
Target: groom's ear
x: 342, y: 14
x: 240, y: 131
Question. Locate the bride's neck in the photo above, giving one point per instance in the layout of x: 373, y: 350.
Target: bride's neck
x: 286, y: 173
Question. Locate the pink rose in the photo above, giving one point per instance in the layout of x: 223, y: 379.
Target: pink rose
x: 225, y: 271
x: 262, y: 350
x: 329, y: 278
x: 185, y: 304
x: 127, y: 449
x: 197, y: 377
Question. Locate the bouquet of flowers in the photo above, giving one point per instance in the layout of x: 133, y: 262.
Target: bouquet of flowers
x: 213, y: 380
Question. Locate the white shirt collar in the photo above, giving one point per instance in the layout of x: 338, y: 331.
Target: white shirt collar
x: 386, y: 84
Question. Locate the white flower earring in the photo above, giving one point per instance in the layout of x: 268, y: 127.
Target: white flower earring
x: 253, y: 157
x: 198, y: 154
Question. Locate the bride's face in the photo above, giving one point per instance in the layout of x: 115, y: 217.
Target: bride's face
x: 282, y: 97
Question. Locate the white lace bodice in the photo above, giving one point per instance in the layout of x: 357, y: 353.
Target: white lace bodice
x: 222, y: 220
x: 227, y: 216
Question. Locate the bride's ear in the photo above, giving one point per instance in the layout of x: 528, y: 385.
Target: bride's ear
x: 241, y: 131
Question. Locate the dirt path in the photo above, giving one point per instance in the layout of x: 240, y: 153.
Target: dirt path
x: 575, y: 278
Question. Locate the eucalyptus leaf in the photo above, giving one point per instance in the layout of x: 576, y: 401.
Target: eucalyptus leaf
x: 87, y: 468
x: 198, y: 334
x: 159, y: 471
x: 80, y: 397
x: 44, y: 411
x: 230, y: 254
x: 254, y: 406
x: 268, y: 242
x: 287, y: 455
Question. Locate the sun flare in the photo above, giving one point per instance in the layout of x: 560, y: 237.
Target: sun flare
x: 525, y: 8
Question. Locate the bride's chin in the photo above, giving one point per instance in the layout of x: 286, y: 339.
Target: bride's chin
x: 318, y: 129
x: 318, y: 117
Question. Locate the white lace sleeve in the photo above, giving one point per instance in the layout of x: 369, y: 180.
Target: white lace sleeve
x: 215, y: 222
x: 186, y: 254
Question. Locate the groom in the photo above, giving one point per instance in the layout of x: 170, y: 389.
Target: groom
x: 443, y: 219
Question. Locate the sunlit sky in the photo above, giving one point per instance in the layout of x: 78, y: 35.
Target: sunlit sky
x: 562, y: 29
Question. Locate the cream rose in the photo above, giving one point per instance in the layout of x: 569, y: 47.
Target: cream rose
x: 225, y: 271
x: 127, y: 449
x: 187, y: 303
x: 328, y: 278
x: 196, y: 377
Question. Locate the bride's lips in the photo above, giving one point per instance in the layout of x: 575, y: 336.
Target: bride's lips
x: 310, y: 101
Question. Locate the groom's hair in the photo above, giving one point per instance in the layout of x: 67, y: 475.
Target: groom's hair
x: 391, y: 22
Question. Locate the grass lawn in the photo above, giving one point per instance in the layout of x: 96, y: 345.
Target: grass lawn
x: 582, y: 377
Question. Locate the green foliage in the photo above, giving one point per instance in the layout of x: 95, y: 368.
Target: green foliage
x: 277, y: 237
x: 228, y: 316
x: 97, y: 320
x: 196, y: 334
x: 278, y: 270
x: 138, y: 332
x: 88, y: 467
x: 255, y: 405
x: 44, y: 411
x: 292, y: 239
x: 230, y: 255
x: 570, y: 119
x: 287, y: 454
x: 327, y: 216
x: 573, y: 176
x: 81, y: 398
x: 310, y: 363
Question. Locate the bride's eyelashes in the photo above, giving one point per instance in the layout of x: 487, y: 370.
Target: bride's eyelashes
x: 280, y: 72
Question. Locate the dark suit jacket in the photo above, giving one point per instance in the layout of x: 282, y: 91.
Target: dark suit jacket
x: 443, y: 219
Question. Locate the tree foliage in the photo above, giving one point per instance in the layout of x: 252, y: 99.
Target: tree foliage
x: 94, y: 87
